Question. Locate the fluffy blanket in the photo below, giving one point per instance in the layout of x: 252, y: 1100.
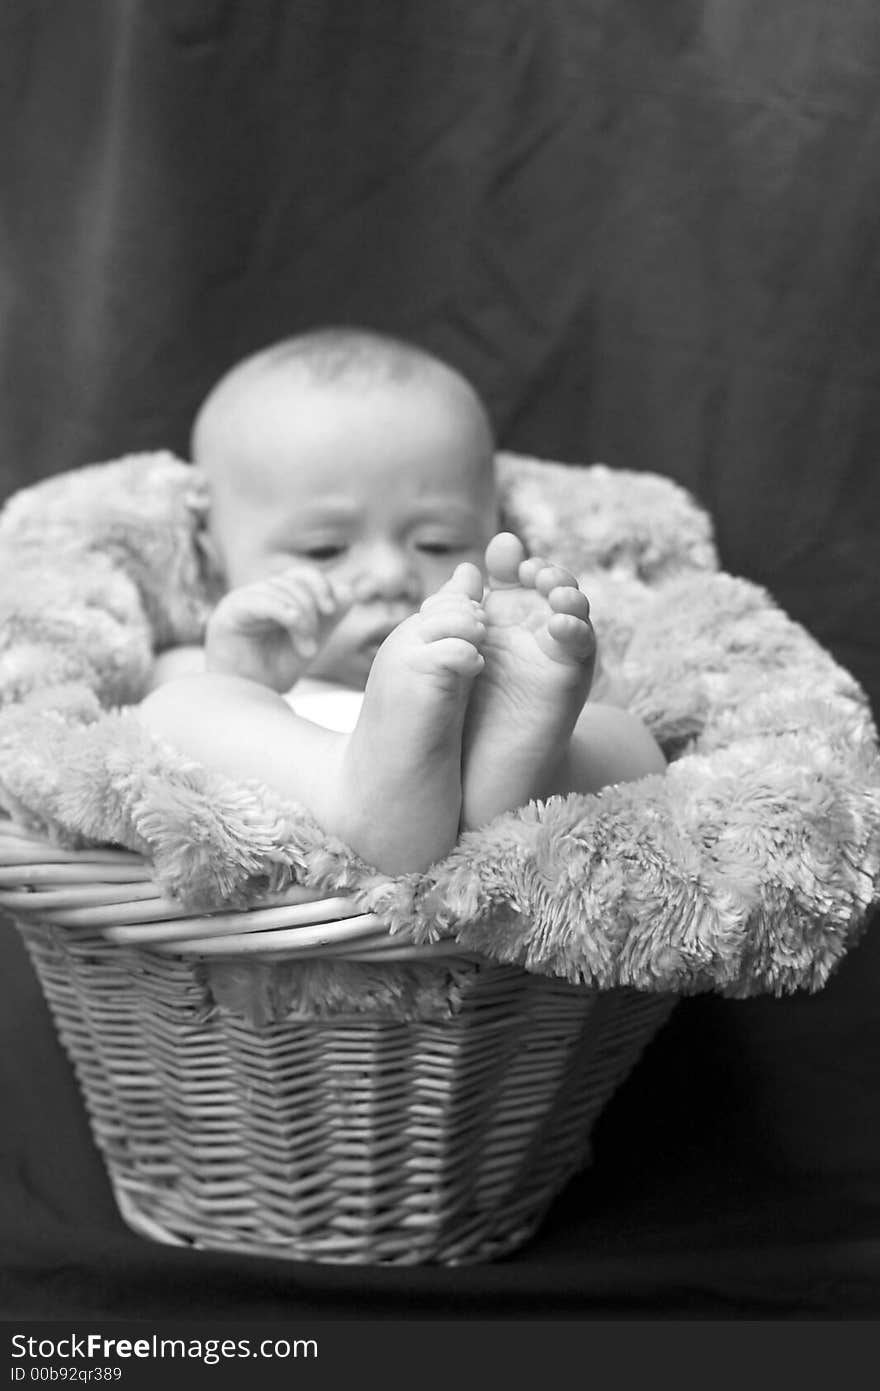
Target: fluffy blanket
x: 750, y: 866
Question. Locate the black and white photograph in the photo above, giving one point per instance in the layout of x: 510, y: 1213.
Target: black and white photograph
x: 439, y: 673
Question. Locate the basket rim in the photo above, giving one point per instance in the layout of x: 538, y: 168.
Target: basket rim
x: 110, y: 893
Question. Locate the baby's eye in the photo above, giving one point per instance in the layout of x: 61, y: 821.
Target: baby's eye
x: 324, y: 552
x: 437, y: 547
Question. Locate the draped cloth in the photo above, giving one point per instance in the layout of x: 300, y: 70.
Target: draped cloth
x: 650, y: 234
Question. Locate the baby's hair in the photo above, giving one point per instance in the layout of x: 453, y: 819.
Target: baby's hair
x: 339, y: 353
x: 333, y: 355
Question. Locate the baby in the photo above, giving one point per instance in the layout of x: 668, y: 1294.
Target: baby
x: 354, y: 517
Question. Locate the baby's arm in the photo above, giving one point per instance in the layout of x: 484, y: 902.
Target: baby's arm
x: 175, y: 662
x: 223, y: 705
x: 269, y: 631
x: 272, y: 630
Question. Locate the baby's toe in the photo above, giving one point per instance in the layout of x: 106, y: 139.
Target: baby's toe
x: 443, y: 617
x: 573, y: 634
x: 529, y: 570
x: 453, y: 654
x: 550, y: 577
x: 447, y: 601
x: 466, y: 579
x: 566, y: 599
x: 504, y: 556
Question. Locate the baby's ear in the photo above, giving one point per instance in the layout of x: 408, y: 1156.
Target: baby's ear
x: 208, y: 553
x: 200, y: 501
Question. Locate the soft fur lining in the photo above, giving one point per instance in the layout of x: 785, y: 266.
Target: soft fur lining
x: 748, y: 867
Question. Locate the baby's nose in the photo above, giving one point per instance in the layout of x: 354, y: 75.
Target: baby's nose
x: 388, y: 573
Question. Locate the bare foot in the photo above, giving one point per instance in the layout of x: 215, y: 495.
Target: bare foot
x: 401, y: 768
x: 539, y: 656
x: 392, y: 787
x: 495, y: 688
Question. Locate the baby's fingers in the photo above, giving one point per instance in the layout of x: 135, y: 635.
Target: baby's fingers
x: 259, y: 607
x: 330, y: 596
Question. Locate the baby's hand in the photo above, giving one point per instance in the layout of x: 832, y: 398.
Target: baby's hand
x: 271, y: 630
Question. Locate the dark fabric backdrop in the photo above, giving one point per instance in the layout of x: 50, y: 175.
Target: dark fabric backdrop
x: 648, y: 230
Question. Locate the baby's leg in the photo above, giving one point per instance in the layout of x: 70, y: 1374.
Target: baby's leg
x: 528, y: 732
x: 403, y: 758
x: 608, y: 745
x: 392, y: 788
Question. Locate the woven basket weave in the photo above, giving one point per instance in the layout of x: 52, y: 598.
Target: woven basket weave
x: 356, y: 1137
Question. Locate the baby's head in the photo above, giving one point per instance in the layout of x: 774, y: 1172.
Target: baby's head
x: 356, y: 453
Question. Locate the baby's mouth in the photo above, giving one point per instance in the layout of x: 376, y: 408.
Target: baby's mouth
x: 376, y: 633
x: 373, y: 641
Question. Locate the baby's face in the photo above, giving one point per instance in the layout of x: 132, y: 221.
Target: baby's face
x: 386, y: 487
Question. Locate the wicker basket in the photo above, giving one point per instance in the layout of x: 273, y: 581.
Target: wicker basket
x: 356, y: 1136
